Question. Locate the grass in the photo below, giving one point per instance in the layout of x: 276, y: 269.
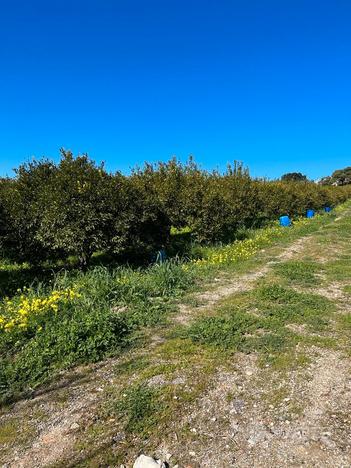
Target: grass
x: 257, y: 322
x: 338, y: 270
x: 8, y: 432
x: 299, y: 273
x: 117, y: 304
x: 139, y: 406
x: 15, y: 431
x: 111, y: 308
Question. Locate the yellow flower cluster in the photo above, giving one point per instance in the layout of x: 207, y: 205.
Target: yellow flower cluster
x: 240, y: 250
x: 243, y: 250
x: 17, y: 313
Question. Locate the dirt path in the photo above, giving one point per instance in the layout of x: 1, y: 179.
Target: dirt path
x: 238, y: 421
x: 245, y: 431
x: 237, y: 283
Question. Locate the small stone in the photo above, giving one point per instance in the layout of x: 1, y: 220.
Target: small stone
x: 251, y: 441
x: 74, y: 426
x: 271, y: 407
x: 286, y: 399
x: 99, y: 389
x: 192, y: 454
x: 168, y: 456
x: 119, y: 310
x: 328, y: 443
x: 249, y: 372
x: 214, y: 419
x: 238, y: 405
x: 193, y: 430
x: 143, y: 461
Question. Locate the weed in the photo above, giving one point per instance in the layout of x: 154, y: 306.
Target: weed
x: 139, y: 406
x: 284, y: 305
x: 8, y: 432
x: 298, y: 272
x: 101, y: 321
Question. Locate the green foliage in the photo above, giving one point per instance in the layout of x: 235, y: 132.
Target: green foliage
x: 338, y: 177
x: 256, y: 321
x: 107, y: 310
x: 139, y: 405
x: 20, y: 221
x: 298, y: 272
x: 73, y: 206
x: 140, y: 226
x: 293, y: 176
x: 225, y: 332
x: 284, y: 305
x: 51, y: 211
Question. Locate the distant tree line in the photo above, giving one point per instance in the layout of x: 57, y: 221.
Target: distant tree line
x: 50, y: 211
x: 338, y: 177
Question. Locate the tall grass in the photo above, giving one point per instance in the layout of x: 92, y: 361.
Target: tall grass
x: 110, y: 306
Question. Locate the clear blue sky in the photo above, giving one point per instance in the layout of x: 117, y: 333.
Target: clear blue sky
x: 267, y: 82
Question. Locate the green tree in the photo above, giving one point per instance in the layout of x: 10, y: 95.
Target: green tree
x: 74, y: 208
x: 140, y: 225
x: 293, y: 176
x: 21, y: 213
x: 341, y: 176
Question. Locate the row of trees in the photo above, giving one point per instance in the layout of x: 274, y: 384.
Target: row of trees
x: 75, y: 207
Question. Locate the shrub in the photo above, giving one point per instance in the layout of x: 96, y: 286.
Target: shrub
x: 139, y: 225
x: 75, y: 208
x: 21, y: 214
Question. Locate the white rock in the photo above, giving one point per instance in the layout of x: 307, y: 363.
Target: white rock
x: 143, y: 461
x: 192, y: 454
x: 74, y: 426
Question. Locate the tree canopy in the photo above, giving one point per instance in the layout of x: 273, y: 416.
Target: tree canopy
x: 293, y: 176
